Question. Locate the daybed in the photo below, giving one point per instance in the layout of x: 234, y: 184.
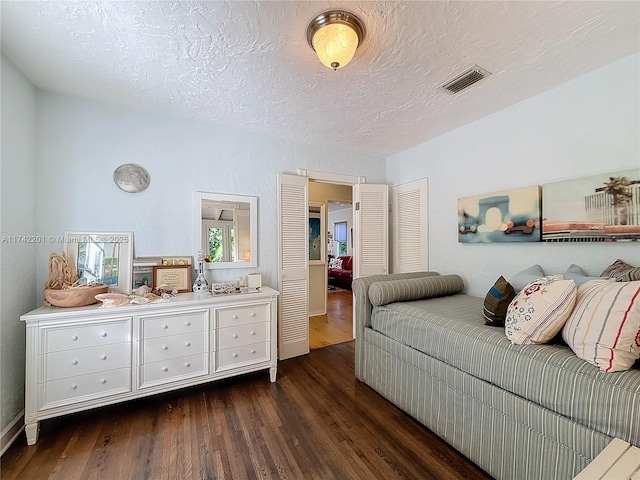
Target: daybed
x: 517, y: 411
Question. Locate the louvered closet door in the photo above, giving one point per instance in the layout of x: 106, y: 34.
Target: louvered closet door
x: 409, y: 220
x: 371, y: 232
x: 293, y: 266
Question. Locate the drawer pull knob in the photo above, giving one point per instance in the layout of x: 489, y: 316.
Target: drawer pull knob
x: 165, y: 326
x: 188, y: 344
x: 235, y: 317
x: 103, y: 334
x: 187, y: 364
x: 75, y: 362
x: 188, y: 324
x: 235, y: 355
x: 252, y: 332
x: 103, y: 357
x: 103, y: 380
x: 74, y: 338
x: 253, y: 314
x: 235, y: 336
x: 253, y: 351
x: 74, y: 386
x: 164, y: 347
x: 165, y: 369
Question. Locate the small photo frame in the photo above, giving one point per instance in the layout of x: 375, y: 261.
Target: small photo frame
x: 172, y: 277
x: 176, y: 260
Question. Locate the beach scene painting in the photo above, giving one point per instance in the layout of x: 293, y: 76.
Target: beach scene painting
x: 599, y: 208
x: 506, y: 216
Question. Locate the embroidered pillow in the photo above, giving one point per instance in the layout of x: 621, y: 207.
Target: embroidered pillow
x: 540, y: 310
x: 622, y: 272
x: 604, y: 327
x: 496, y: 302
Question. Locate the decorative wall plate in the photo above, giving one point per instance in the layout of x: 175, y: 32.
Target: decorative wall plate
x: 131, y: 178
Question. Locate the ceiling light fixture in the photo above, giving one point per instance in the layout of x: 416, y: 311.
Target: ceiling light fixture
x: 334, y: 36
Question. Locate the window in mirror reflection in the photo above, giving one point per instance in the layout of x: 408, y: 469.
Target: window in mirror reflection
x: 220, y: 241
x: 98, y: 262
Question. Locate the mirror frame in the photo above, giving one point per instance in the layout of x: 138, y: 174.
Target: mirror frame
x: 253, y: 226
x: 125, y: 256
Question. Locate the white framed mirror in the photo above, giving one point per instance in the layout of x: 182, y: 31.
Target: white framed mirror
x: 227, y: 229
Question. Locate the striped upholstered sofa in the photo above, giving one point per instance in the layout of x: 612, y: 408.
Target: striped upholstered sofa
x: 518, y: 412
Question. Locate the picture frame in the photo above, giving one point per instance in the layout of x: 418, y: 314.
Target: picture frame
x: 317, y: 245
x: 181, y: 260
x: 101, y: 257
x: 172, y: 277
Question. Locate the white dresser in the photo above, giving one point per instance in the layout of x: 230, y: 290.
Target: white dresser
x: 86, y: 357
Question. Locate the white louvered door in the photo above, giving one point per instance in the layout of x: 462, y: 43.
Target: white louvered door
x: 409, y: 220
x: 371, y: 232
x: 293, y: 265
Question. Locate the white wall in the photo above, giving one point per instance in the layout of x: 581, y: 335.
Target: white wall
x: 18, y: 288
x: 81, y: 142
x: 587, y: 126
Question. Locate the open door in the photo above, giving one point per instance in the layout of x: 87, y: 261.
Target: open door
x: 293, y: 265
x: 371, y: 232
x: 409, y: 220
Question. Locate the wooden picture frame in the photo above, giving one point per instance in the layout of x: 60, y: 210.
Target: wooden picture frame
x: 170, y: 277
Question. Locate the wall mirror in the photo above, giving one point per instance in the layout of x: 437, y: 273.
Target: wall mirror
x: 227, y: 229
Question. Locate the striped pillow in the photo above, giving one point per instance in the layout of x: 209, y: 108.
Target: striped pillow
x: 540, y: 310
x: 383, y: 293
x: 622, y: 271
x: 604, y: 327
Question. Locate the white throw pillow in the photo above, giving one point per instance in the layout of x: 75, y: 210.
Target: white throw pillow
x: 540, y: 310
x: 604, y: 327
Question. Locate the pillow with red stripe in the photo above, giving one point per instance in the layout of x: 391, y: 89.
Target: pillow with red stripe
x: 604, y: 327
x: 539, y: 311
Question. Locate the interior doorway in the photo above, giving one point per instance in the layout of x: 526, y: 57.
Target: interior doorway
x: 335, y: 323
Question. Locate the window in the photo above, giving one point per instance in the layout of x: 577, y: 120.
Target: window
x: 340, y: 232
x: 221, y: 241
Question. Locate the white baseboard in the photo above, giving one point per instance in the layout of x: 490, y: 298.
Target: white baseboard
x: 11, y: 432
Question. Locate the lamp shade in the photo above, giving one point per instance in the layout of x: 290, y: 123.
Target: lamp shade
x: 335, y: 35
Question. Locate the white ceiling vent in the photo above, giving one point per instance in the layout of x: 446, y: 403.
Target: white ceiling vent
x: 464, y: 80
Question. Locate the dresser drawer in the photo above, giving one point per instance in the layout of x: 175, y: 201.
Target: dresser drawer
x: 173, y: 369
x: 228, y: 317
x: 174, y: 324
x: 86, y: 387
x: 80, y: 361
x: 162, y: 348
x: 242, y: 335
x: 243, y: 354
x: 82, y: 336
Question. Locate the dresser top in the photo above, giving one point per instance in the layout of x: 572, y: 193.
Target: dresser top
x: 185, y: 300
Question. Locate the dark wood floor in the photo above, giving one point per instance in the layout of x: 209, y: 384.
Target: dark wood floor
x: 316, y: 422
x: 337, y: 325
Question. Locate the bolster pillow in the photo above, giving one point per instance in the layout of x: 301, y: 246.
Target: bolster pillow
x: 382, y: 293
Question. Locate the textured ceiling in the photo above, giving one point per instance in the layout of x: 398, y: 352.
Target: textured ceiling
x: 247, y: 65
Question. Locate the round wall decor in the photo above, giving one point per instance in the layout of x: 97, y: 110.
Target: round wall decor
x: 131, y: 178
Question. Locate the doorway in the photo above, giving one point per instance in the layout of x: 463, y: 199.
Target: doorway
x: 335, y: 323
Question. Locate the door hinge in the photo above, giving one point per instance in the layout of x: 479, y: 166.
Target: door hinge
x: 357, y: 206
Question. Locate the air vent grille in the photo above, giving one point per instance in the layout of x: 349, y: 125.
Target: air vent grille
x: 464, y: 80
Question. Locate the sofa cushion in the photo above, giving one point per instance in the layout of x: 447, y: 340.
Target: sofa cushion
x: 347, y: 262
x: 575, y: 273
x: 497, y: 301
x: 540, y: 310
x: 604, y: 327
x: 622, y: 271
x: 382, y: 293
x: 525, y: 277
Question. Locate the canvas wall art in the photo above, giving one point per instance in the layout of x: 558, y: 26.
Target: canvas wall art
x: 600, y: 208
x: 507, y: 216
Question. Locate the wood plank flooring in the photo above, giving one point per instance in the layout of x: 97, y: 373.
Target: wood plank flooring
x: 316, y: 422
x: 336, y: 326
